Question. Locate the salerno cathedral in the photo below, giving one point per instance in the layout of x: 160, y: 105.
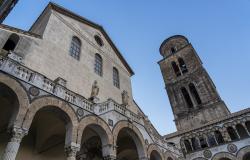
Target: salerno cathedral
x: 65, y: 94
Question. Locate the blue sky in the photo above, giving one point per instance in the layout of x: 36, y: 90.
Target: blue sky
x: 218, y: 29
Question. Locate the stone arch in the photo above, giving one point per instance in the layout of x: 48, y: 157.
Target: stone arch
x: 242, y: 152
x: 141, y: 146
x: 101, y: 128
x: 153, y: 147
x: 22, y: 96
x: 222, y: 155
x: 71, y: 127
x: 168, y: 156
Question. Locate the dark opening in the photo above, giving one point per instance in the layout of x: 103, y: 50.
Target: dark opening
x: 187, y: 97
x: 194, y: 93
x: 195, y: 144
x: 182, y: 65
x: 248, y: 126
x: 187, y: 146
x: 11, y: 43
x: 173, y: 50
x: 219, y: 137
x: 246, y: 156
x: 211, y: 140
x: 98, y: 40
x: 241, y: 130
x: 233, y: 135
x: 176, y: 69
x: 203, y: 142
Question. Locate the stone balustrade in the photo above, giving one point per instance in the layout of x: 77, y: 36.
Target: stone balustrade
x: 14, y: 67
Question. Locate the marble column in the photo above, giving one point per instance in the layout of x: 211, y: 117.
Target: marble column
x: 14, y: 143
x: 71, y: 151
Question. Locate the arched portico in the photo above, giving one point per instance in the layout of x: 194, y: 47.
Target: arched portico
x: 55, y: 124
x: 244, y: 153
x: 23, y: 99
x: 14, y: 103
x: 224, y: 156
x: 129, y: 141
x: 95, y: 138
x: 154, y: 153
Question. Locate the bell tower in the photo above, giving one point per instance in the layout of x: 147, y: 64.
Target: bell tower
x: 192, y: 93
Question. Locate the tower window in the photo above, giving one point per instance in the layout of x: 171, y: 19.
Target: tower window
x: 203, y: 142
x: 195, y: 143
x: 98, y: 64
x: 75, y: 48
x: 211, y: 140
x: 194, y: 93
x: 233, y: 135
x: 187, y: 97
x: 248, y: 125
x: 241, y: 130
x: 11, y: 43
x: 219, y: 137
x: 187, y: 146
x: 173, y: 50
x: 176, y: 69
x: 116, y: 80
x: 182, y: 65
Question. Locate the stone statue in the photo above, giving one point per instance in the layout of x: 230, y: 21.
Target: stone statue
x: 125, y: 98
x: 95, y: 90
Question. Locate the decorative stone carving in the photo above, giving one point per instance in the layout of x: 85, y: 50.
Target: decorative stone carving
x: 207, y: 154
x: 94, y: 92
x: 95, y: 89
x: 61, y: 81
x: 125, y: 98
x: 34, y: 91
x: 232, y: 148
x: 80, y: 112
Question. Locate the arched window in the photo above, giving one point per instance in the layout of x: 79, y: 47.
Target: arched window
x: 182, y: 65
x: 248, y: 125
x: 187, y: 146
x: 173, y: 50
x: 75, y: 48
x: 98, y: 64
x: 233, y: 135
x: 11, y: 43
x: 241, y: 131
x: 116, y: 80
x: 98, y: 40
x: 203, y: 142
x: 187, y: 98
x: 211, y: 140
x: 195, y: 143
x: 194, y: 93
x: 219, y: 137
x: 176, y: 69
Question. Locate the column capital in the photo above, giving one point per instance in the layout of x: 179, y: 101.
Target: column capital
x: 109, y: 151
x: 72, y: 150
x: 18, y: 134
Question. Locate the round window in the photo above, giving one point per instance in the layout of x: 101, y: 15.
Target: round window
x: 98, y: 40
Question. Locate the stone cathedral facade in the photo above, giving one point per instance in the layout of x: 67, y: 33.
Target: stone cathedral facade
x: 65, y: 93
